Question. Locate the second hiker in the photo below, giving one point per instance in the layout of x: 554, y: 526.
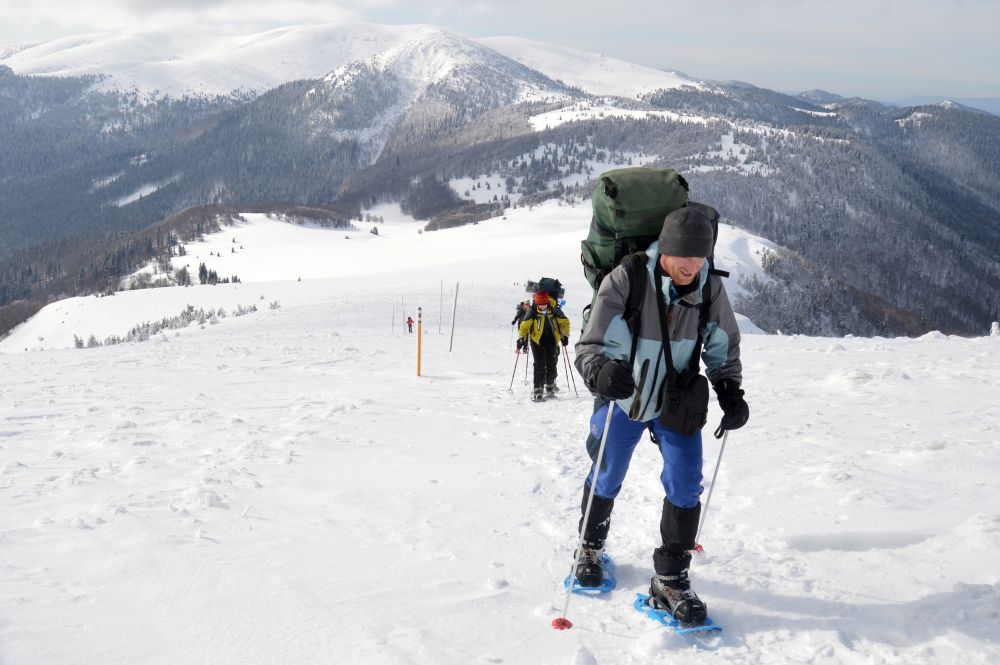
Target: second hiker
x: 544, y: 327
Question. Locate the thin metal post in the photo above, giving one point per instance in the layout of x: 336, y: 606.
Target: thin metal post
x: 453, y: 312
x: 420, y: 328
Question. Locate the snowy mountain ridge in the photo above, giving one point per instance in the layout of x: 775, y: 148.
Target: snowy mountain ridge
x: 179, y: 63
x: 394, y: 113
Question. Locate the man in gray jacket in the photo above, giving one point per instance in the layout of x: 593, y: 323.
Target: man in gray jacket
x: 677, y: 286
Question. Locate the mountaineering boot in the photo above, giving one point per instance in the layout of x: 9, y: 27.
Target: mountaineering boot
x: 674, y: 594
x: 670, y: 589
x: 595, y: 531
x: 590, y: 570
x: 537, y: 395
x: 551, y: 389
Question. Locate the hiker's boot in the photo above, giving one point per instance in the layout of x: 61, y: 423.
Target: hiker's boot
x: 537, y: 395
x: 590, y: 570
x: 674, y: 594
x: 551, y: 389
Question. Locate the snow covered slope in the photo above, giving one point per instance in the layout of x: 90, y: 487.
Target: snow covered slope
x: 179, y: 63
x: 270, y: 256
x: 282, y: 488
x: 201, y: 63
x: 591, y: 72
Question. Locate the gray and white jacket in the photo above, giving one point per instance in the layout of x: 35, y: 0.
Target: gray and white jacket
x: 608, y: 337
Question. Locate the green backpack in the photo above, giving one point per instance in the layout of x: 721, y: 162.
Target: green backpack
x: 629, y: 207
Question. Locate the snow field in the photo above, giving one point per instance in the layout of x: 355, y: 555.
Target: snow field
x: 282, y: 487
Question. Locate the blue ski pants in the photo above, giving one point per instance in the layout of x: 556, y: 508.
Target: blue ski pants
x: 682, y: 456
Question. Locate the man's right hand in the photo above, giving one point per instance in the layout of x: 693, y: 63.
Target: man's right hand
x: 520, y: 343
x: 614, y: 380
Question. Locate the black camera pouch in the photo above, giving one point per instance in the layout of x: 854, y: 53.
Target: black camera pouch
x: 685, y: 409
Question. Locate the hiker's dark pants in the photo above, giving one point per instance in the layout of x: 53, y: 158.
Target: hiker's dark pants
x: 546, y: 358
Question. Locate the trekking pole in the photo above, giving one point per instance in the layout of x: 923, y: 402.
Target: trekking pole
x: 562, y: 623
x: 704, y: 510
x: 569, y: 374
x: 517, y: 357
x: 565, y: 365
x: 526, y: 359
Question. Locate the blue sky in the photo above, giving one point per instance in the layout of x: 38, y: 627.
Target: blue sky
x: 882, y: 49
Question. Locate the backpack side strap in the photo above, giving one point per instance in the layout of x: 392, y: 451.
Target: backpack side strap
x: 635, y: 268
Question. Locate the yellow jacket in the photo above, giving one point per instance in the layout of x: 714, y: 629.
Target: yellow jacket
x: 535, y: 323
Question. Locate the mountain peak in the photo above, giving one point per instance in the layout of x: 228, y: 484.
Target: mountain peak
x: 201, y: 63
x: 817, y: 96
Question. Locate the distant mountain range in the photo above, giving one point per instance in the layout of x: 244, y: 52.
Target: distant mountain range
x: 988, y: 104
x: 983, y: 104
x: 887, y: 213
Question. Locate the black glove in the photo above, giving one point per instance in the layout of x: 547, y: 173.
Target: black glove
x: 614, y: 380
x: 735, y: 408
x: 565, y: 341
x: 521, y: 343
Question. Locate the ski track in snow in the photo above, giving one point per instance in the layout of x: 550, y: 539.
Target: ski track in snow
x: 283, y: 488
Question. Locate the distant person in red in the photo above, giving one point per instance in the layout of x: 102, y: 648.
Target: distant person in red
x: 409, y: 324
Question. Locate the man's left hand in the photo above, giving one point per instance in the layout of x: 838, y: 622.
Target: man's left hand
x: 735, y: 409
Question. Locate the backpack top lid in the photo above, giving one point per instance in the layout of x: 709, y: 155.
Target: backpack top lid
x: 633, y: 201
x: 548, y: 284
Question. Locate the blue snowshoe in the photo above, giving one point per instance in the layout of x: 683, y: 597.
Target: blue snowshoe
x: 595, y: 574
x: 673, y: 603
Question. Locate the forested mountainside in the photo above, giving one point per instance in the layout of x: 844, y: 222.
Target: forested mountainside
x: 890, y: 217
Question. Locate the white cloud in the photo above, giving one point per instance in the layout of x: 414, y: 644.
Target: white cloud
x: 61, y: 17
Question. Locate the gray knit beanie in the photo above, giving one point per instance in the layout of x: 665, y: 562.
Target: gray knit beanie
x: 686, y: 232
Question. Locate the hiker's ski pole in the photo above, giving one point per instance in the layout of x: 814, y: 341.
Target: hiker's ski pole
x: 708, y: 499
x: 569, y: 373
x: 517, y: 357
x: 562, y: 623
x: 565, y: 366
